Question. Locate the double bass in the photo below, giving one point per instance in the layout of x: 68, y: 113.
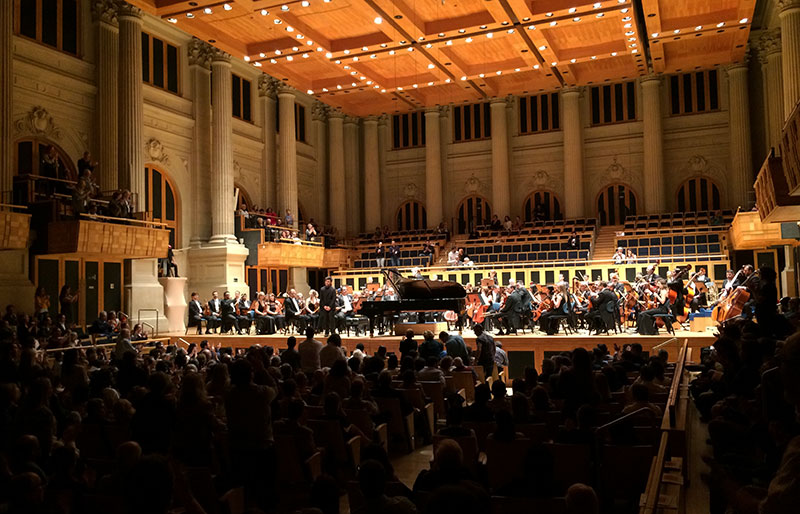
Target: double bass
x: 673, y: 295
x: 733, y: 304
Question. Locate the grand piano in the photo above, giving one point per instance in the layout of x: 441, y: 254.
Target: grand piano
x: 416, y: 295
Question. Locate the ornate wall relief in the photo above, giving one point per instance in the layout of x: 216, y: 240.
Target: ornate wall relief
x: 37, y: 122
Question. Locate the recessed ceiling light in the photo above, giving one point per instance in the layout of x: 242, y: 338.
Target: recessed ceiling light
x: 310, y: 91
x: 294, y: 48
x: 337, y: 61
x: 447, y: 81
x: 373, y: 56
x: 247, y: 58
x: 461, y: 31
x: 543, y: 47
x: 305, y: 56
x: 572, y: 9
x: 414, y: 85
x: 353, y: 84
x: 305, y: 3
x: 399, y: 88
x: 227, y: 7
x: 526, y: 19
x: 189, y: 15
x: 489, y: 35
x: 278, y: 52
x: 599, y: 15
x: 449, y: 42
x: 531, y: 27
x: 431, y: 66
x: 378, y: 20
x: 516, y: 69
x: 626, y: 18
x: 300, y: 36
x: 573, y: 60
x: 429, y: 45
x: 384, y: 45
x: 355, y: 59
x: 553, y: 23
x: 345, y: 66
x: 328, y: 55
x: 624, y: 11
x: 284, y: 8
x: 468, y: 40
x: 627, y: 25
x: 504, y: 23
x: 273, y: 61
x: 264, y: 12
x: 262, y: 54
x: 208, y: 10
x: 721, y: 24
x: 554, y: 63
x: 441, y: 34
x: 613, y: 54
x: 289, y: 58
x: 276, y: 21
x: 481, y: 75
x: 654, y: 34
x: 576, y: 19
x: 421, y: 38
x: 548, y: 14
x: 463, y: 77
x: 391, y: 52
x: 535, y: 66
x: 257, y: 64
x: 699, y: 27
x: 346, y: 51
x: 597, y: 5
x: 743, y: 20
x: 510, y: 31
x: 383, y: 90
x: 498, y: 72
x: 410, y: 49
x: 430, y: 83
x: 364, y: 48
x: 594, y: 57
x: 630, y: 32
x: 172, y: 20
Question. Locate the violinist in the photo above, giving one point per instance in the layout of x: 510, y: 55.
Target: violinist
x: 701, y: 284
x: 265, y: 324
x: 196, y: 314
x: 646, y: 323
x: 294, y: 312
x: 601, y: 314
x: 228, y: 313
x: 274, y: 309
x: 616, y: 286
x: 559, y: 304
x: 651, y: 276
x: 213, y: 313
x: 311, y: 308
x: 243, y: 312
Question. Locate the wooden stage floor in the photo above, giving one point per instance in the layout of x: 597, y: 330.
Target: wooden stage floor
x: 523, y: 349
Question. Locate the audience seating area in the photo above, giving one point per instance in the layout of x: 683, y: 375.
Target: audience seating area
x: 409, y: 241
x: 669, y: 245
x: 677, y: 220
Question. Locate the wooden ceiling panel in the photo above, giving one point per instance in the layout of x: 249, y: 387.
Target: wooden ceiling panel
x: 622, y: 67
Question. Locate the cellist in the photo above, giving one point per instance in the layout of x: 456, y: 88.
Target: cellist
x: 675, y: 284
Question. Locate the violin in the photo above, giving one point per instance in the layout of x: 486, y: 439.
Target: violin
x: 545, y: 304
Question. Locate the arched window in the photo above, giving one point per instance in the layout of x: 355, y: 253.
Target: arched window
x: 698, y: 194
x: 161, y: 200
x: 411, y: 216
x: 472, y: 212
x: 551, y: 206
x: 614, y: 203
x: 244, y: 198
x: 29, y: 155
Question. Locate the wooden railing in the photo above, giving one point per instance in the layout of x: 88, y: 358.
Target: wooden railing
x: 131, y: 239
x: 151, y: 341
x: 14, y: 227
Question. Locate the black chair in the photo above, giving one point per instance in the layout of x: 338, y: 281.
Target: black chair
x: 668, y: 320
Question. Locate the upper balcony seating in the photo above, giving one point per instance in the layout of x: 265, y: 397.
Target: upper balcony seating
x: 676, y: 220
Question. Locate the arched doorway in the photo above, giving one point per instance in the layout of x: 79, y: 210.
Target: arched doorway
x: 614, y: 203
x: 161, y: 200
x: 698, y: 194
x: 411, y: 215
x: 29, y: 154
x: 243, y: 198
x: 473, y: 211
x: 548, y: 200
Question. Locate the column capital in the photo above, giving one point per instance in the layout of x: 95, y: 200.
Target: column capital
x: 335, y: 112
x: 739, y: 66
x: 199, y: 53
x: 651, y: 80
x: 105, y: 11
x: 768, y: 43
x: 574, y: 90
x: 350, y: 119
x: 383, y: 119
x: 126, y: 10
x: 219, y: 56
x: 498, y: 100
x: 372, y: 120
x: 284, y: 89
x: 267, y: 86
x: 319, y: 111
x: 785, y: 6
x: 435, y: 109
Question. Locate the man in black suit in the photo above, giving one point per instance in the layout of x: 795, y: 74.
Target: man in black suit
x: 215, y: 316
x: 602, y: 313
x: 196, y: 313
x: 228, y: 313
x: 511, y: 311
x: 394, y: 255
x: 574, y: 242
x: 327, y: 307
x: 291, y: 307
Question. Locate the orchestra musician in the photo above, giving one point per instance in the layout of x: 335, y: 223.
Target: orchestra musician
x: 311, y: 308
x: 675, y: 284
x: 196, y: 317
x: 293, y: 310
x: 213, y: 317
x: 243, y: 313
x: 327, y: 303
x: 646, y: 323
x: 275, y: 309
x: 560, y: 303
x: 228, y: 313
x: 602, y: 305
x: 511, y: 312
x: 265, y: 324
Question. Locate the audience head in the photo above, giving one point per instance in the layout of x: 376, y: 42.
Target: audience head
x: 581, y: 499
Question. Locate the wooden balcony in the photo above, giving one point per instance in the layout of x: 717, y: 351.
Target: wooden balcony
x: 773, y: 200
x: 304, y: 255
x: 749, y: 232
x: 790, y: 152
x: 14, y: 229
x: 106, y: 236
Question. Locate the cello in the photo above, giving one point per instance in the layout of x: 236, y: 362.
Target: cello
x: 733, y: 304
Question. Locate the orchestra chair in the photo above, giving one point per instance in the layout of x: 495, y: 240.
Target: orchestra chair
x: 435, y: 391
x: 362, y: 420
x: 422, y: 407
x: 340, y: 454
x: 400, y: 428
x: 668, y: 320
x: 199, y: 324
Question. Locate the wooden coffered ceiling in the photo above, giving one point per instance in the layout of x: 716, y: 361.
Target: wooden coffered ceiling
x: 384, y: 56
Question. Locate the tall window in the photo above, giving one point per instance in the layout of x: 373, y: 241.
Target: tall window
x: 50, y: 22
x: 159, y: 63
x: 698, y: 194
x: 241, y: 98
x: 408, y: 130
x: 299, y: 121
x: 411, y: 216
x: 538, y: 113
x: 694, y: 92
x: 473, y: 211
x: 613, y: 103
x: 614, y: 203
x: 161, y: 202
x: 472, y: 122
x: 550, y: 206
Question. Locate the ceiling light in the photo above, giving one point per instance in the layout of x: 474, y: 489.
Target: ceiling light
x: 353, y: 84
x: 227, y: 7
x: 410, y: 49
x: 373, y: 56
x: 429, y: 45
x: 273, y: 61
x: 399, y: 88
x: 345, y: 66
x: 489, y: 35
x: 391, y: 52
x: 289, y: 58
x: 599, y: 15
x: 624, y: 11
x: 258, y: 64
x: 264, y: 12
x: 548, y: 14
x: 594, y: 57
x: 468, y: 40
x: 278, y: 52
x: 328, y: 55
x: 305, y: 3
x: 573, y: 60
x: 415, y: 85
x: 403, y: 42
x: 324, y: 89
x: 431, y: 66
x: 510, y: 31
x: 634, y: 51
x: 430, y: 83
x: 481, y: 75
x: 526, y: 19
x: 654, y: 34
x: 352, y: 72
x: 597, y: 5
x: 346, y: 51
x: 630, y: 32
x: 699, y: 27
x: 294, y: 49
x: 463, y: 77
x: 461, y: 31
x: 172, y: 20
x: 376, y: 86
x: 621, y: 1
x: 305, y: 56
x: 531, y: 27
x: 311, y: 43
x: 631, y: 39
x: 441, y: 34
x: 289, y: 29
x: 516, y: 69
x: 300, y: 36
x: 743, y: 20
x: 449, y: 42
x: 721, y: 24
x: 284, y: 8
x: 535, y: 66
x: 483, y: 27
x: 576, y: 19
x: 189, y: 15
x: 554, y: 63
x: 421, y: 38
x: 355, y: 59
x: 208, y: 10
x: 613, y: 54
x: 383, y: 90
x: 447, y: 81
x: 384, y: 45
x: 364, y: 48
x: 553, y: 23
x: 504, y: 23
x: 626, y: 18
x: 337, y: 61
x: 277, y: 21
x: 498, y: 72
x: 543, y: 47
x: 627, y: 25
x: 378, y: 20
x: 572, y: 10
x: 262, y: 54
x: 247, y: 58
x: 310, y: 92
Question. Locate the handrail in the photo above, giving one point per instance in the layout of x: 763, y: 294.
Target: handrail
x: 621, y: 419
x: 32, y: 176
x: 95, y: 217
x: 103, y: 345
x: 674, y: 391
x: 139, y: 316
x: 12, y: 206
x: 149, y: 325
x: 660, y: 345
x: 652, y: 490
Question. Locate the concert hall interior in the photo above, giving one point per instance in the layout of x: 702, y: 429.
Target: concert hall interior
x: 436, y: 256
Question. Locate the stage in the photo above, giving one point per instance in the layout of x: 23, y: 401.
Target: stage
x: 523, y: 349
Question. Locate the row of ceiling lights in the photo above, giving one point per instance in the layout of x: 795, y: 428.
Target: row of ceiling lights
x: 700, y: 27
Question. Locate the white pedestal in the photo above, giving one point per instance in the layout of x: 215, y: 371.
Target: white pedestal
x: 15, y: 288
x: 215, y: 268
x: 174, y: 302
x: 144, y: 296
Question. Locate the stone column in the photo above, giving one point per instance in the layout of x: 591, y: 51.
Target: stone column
x: 741, y: 158
x: 383, y: 147
x: 573, y: 152
x: 222, y: 200
x: 104, y: 14
x: 433, y: 168
x: 6, y: 97
x: 336, y: 179
x: 372, y: 175
x: 287, y: 160
x: 352, y: 175
x: 790, y: 45
x: 131, y: 104
x: 769, y: 46
x: 447, y: 198
x: 319, y: 116
x: 653, y: 169
x: 267, y: 105
x: 501, y: 191
x: 199, y: 59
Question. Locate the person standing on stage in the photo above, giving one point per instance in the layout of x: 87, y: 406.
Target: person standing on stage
x: 327, y: 307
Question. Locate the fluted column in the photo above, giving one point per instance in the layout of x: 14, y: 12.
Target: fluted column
x: 573, y: 152
x: 222, y: 204
x: 790, y: 44
x: 319, y: 113
x: 383, y: 147
x: 104, y: 14
x: 372, y: 175
x: 287, y: 162
x: 741, y: 158
x: 199, y: 59
x: 352, y: 175
x: 267, y: 105
x: 131, y: 104
x: 6, y: 97
x: 769, y: 54
x: 433, y: 168
x: 653, y: 139
x: 336, y: 183
x: 501, y: 192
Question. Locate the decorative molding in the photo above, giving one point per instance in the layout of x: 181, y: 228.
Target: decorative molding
x: 370, y: 119
x: 319, y: 111
x: 383, y: 119
x: 154, y: 151
x: 472, y: 185
x: 335, y: 112
x: 267, y: 86
x: 768, y: 44
x: 220, y: 56
x: 199, y: 53
x: 444, y: 110
x: 237, y: 168
x: 697, y: 166
x: 540, y: 179
x: 126, y: 10
x: 410, y: 191
x: 650, y: 79
x: 350, y: 119
x: 616, y: 172
x: 573, y: 89
x: 105, y: 11
x: 787, y: 5
x: 38, y: 122
x: 282, y: 88
x: 498, y: 100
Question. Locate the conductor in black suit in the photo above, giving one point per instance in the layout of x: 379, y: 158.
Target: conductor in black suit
x: 511, y: 311
x: 602, y: 315
x: 214, y: 306
x: 195, y: 313
x: 228, y: 313
x: 327, y: 307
